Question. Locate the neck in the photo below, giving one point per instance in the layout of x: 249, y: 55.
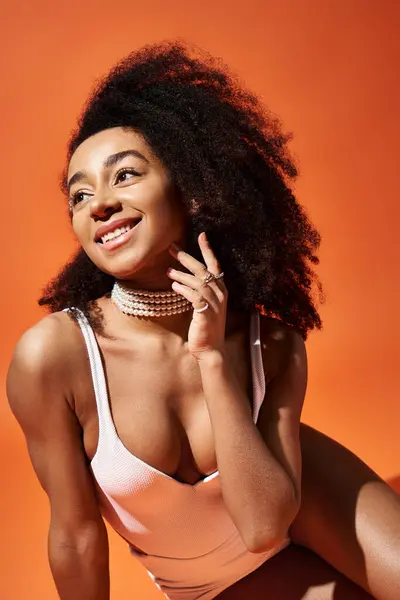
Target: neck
x: 148, y: 303
x: 154, y: 276
x: 157, y: 310
x: 158, y: 326
x: 124, y: 326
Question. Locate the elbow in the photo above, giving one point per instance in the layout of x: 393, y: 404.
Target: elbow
x: 268, y: 538
x: 89, y: 544
x: 267, y: 545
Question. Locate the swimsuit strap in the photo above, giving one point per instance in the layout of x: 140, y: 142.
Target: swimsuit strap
x: 106, y: 424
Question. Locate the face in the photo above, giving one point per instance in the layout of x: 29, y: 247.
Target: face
x: 125, y: 208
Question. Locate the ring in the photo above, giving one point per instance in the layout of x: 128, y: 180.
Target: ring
x: 199, y: 310
x: 207, y: 278
x: 219, y: 275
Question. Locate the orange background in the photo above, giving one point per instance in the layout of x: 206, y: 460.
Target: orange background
x: 330, y: 70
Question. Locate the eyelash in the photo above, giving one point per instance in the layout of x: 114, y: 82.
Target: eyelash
x: 131, y: 170
x: 126, y: 170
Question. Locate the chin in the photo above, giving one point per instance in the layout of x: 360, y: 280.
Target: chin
x: 124, y: 270
x: 127, y: 264
x: 121, y: 265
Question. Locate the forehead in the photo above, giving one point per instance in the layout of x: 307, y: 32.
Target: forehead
x: 95, y: 149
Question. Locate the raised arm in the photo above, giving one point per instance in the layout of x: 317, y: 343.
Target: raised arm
x: 259, y: 465
x: 38, y: 393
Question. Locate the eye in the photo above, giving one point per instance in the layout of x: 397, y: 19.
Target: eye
x: 78, y: 197
x: 125, y: 175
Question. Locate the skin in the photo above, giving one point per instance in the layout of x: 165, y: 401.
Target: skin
x: 348, y: 524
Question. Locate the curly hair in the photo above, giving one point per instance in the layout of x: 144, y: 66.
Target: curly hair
x: 226, y: 151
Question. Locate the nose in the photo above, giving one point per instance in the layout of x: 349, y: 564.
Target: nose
x: 104, y: 204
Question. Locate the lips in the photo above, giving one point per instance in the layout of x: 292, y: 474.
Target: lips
x: 116, y: 224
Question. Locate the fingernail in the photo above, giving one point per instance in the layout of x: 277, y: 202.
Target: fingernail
x: 174, y: 247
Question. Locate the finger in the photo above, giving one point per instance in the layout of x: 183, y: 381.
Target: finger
x: 194, y: 283
x: 213, y: 266
x: 209, y: 257
x: 192, y: 264
x: 194, y: 296
x: 189, y: 280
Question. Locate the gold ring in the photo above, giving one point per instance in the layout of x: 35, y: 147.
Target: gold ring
x: 207, y: 278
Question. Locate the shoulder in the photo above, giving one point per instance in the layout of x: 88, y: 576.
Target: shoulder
x: 45, y: 359
x: 46, y: 344
x: 280, y: 344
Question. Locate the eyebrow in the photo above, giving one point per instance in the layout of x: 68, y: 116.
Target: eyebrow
x: 110, y: 161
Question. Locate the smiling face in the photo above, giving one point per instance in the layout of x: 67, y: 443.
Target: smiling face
x: 125, y: 208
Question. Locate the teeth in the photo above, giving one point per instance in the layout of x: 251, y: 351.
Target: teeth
x: 113, y: 234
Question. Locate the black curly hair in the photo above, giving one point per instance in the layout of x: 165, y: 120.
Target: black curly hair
x: 226, y: 151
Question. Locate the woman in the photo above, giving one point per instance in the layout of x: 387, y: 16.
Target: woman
x: 151, y: 398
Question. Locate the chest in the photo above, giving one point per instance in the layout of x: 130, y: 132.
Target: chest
x: 158, y: 407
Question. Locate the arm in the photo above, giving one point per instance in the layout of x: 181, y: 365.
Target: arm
x: 77, y: 541
x: 259, y: 465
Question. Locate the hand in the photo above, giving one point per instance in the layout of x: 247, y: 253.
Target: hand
x: 207, y: 329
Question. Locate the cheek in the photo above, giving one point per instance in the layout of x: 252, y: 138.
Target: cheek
x: 170, y: 220
x: 80, y: 229
x: 168, y: 212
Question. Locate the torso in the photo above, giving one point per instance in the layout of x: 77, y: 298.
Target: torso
x: 155, y: 393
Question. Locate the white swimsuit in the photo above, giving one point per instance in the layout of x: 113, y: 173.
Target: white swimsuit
x: 191, y: 547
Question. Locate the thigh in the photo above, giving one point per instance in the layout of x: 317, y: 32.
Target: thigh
x: 349, y: 516
x: 294, y: 574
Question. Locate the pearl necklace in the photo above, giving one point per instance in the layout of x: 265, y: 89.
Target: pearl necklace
x: 142, y: 303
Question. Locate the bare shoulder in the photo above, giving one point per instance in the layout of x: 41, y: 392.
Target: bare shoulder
x: 280, y: 343
x: 44, y: 357
x: 47, y: 344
